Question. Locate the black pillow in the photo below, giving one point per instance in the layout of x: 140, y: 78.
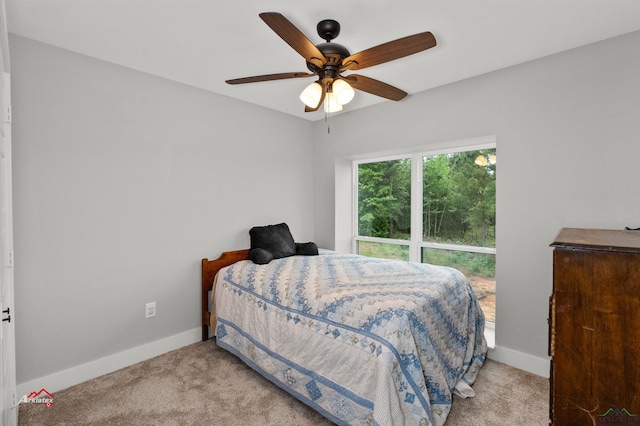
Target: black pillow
x: 276, y: 240
x: 306, y: 249
x: 260, y: 256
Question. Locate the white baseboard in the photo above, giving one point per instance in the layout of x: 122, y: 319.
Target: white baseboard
x: 520, y: 360
x: 81, y: 373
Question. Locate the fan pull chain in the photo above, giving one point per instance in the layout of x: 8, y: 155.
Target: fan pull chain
x: 326, y: 120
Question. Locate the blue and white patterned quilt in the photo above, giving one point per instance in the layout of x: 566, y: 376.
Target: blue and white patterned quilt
x: 363, y: 341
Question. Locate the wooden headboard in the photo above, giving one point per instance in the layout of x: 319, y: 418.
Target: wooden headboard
x: 209, y: 270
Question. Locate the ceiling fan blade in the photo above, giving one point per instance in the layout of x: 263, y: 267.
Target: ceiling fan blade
x: 293, y: 37
x: 375, y: 87
x: 389, y: 51
x: 269, y: 77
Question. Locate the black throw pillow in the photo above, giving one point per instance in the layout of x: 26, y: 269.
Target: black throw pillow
x: 275, y: 239
x: 260, y: 256
x: 306, y: 249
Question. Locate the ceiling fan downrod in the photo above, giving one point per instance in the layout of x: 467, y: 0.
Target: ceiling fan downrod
x: 328, y: 29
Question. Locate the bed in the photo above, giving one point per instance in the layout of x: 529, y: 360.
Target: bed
x: 359, y: 339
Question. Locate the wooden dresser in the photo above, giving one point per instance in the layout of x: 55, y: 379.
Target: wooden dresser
x: 594, y: 328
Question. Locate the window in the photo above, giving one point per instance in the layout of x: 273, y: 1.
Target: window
x: 384, y: 208
x: 447, y: 217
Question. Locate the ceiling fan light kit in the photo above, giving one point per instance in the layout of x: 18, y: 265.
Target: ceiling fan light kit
x: 311, y: 95
x: 327, y: 61
x: 331, y: 104
x: 340, y: 93
x: 343, y: 92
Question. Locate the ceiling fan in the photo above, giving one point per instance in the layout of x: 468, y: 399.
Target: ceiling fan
x: 329, y: 60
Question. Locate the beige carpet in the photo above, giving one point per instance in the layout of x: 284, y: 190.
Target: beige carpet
x: 201, y: 384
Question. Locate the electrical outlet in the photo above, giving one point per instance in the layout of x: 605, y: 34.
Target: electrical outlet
x: 150, y: 310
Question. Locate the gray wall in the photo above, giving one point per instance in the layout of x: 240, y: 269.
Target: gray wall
x: 122, y: 183
x: 568, y: 144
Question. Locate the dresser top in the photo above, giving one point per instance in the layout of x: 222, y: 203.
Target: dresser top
x: 598, y: 239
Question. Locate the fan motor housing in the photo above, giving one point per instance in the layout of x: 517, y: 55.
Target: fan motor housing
x: 332, y: 49
x: 334, y: 53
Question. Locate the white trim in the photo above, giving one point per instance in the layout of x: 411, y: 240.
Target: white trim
x: 92, y: 369
x: 383, y: 240
x: 5, y: 60
x: 520, y: 360
x: 490, y: 334
x: 442, y: 147
x: 395, y: 157
x: 476, y: 144
x: 459, y: 247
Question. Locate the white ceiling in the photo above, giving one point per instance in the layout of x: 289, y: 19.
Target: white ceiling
x: 202, y: 43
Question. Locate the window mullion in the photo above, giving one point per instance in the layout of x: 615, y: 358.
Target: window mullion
x: 416, y: 207
x: 354, y: 211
